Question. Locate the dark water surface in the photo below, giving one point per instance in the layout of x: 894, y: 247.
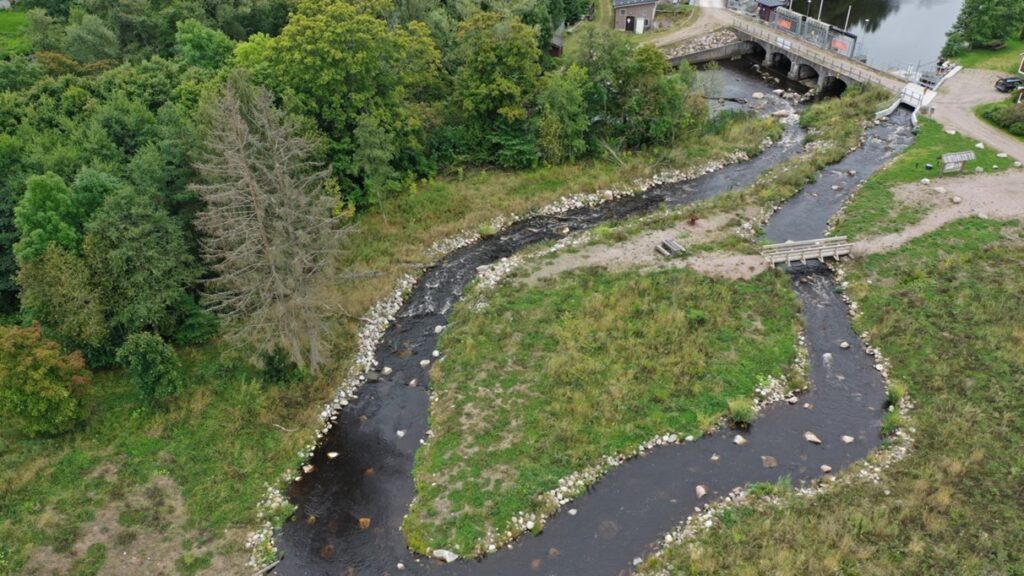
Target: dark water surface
x: 893, y: 34
x: 632, y: 507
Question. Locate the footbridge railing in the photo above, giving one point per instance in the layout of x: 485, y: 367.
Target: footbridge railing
x: 804, y: 250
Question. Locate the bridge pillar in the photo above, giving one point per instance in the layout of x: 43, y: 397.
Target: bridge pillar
x: 794, y: 68
x: 768, y: 53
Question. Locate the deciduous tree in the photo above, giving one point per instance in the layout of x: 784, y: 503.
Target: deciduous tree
x: 45, y: 215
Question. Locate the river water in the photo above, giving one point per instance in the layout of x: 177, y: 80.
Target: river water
x: 634, y: 505
x: 893, y: 34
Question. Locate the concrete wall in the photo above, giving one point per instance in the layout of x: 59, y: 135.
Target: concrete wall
x: 727, y: 52
x: 645, y: 11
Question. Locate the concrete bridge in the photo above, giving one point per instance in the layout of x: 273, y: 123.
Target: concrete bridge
x: 798, y: 59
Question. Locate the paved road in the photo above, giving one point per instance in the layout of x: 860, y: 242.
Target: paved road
x: 954, y: 108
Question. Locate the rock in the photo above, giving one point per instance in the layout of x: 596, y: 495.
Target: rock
x: 701, y: 491
x: 364, y: 523
x: 851, y: 172
x: 835, y: 187
x: 808, y: 405
x: 757, y: 95
x: 769, y: 462
x: 844, y: 345
x: 925, y: 181
x: 1002, y: 155
x: 956, y: 199
x: 386, y: 371
x: 400, y: 566
x: 739, y: 440
x: 668, y: 538
x: 940, y: 190
x: 778, y: 91
x: 446, y: 556
x: 708, y: 523
x: 951, y: 132
x: 307, y: 468
x: 847, y: 439
x: 979, y: 170
x: 424, y: 363
x: 689, y: 438
x: 414, y: 383
x: 436, y: 353
x: 826, y: 468
x: 530, y: 524
x: 572, y: 511
x: 638, y: 561
x: 1017, y: 164
x: 812, y: 438
x: 980, y: 145
x: 332, y: 455
x: 792, y: 400
x: 714, y: 457
x: 400, y: 433
x: 438, y: 329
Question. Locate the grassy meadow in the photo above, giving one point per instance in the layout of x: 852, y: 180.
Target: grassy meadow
x: 545, y: 381
x: 1006, y: 59
x: 874, y: 209
x: 12, y: 32
x: 947, y: 309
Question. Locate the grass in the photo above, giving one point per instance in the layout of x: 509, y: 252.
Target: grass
x: 947, y: 309
x: 1006, y: 59
x: 12, y: 32
x: 545, y: 381
x: 874, y: 209
x: 223, y: 441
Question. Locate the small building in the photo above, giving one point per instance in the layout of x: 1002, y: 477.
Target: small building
x: 765, y: 8
x: 557, y: 41
x: 634, y: 15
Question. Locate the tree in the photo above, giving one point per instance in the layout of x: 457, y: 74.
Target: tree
x: 57, y: 292
x: 45, y: 215
x: 564, y: 123
x: 39, y: 385
x: 44, y: 32
x: 375, y: 149
x: 89, y: 40
x: 268, y: 233
x: 202, y: 46
x: 90, y: 188
x: 337, y: 60
x: 139, y: 261
x: 983, y: 22
x: 498, y: 70
x: 152, y: 366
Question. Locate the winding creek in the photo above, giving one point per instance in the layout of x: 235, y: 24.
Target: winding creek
x: 631, y: 508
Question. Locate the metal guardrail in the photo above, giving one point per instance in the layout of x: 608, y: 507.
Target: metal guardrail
x: 846, y: 67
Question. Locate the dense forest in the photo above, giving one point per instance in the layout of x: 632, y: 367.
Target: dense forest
x: 176, y: 171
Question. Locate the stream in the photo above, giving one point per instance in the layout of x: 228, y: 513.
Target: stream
x: 627, y: 513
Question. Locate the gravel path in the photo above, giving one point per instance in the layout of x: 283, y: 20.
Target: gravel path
x: 955, y: 103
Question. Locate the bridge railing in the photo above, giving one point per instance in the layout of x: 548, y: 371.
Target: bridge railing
x: 838, y: 64
x: 802, y: 251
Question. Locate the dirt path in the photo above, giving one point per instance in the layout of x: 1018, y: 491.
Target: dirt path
x: 988, y: 195
x: 955, y: 103
x: 998, y: 196
x: 712, y: 17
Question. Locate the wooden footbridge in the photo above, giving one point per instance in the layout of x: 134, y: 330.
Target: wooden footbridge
x: 804, y: 250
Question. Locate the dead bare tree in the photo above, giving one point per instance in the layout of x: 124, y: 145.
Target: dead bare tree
x: 268, y: 233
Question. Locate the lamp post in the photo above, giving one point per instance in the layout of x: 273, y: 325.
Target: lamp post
x: 848, y: 10
x: 820, y: 6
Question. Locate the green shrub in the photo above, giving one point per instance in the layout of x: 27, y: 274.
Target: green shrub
x: 895, y: 393
x: 891, y: 422
x: 152, y: 366
x: 39, y: 384
x: 278, y: 367
x: 1007, y: 115
x: 741, y: 412
x: 197, y: 326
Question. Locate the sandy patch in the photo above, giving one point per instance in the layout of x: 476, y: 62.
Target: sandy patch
x: 639, y: 252
x: 999, y: 196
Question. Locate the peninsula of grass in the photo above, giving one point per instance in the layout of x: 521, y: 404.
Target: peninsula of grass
x: 874, y: 209
x: 1005, y: 115
x: 230, y: 435
x: 947, y: 309
x: 544, y: 382
x: 1006, y: 59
